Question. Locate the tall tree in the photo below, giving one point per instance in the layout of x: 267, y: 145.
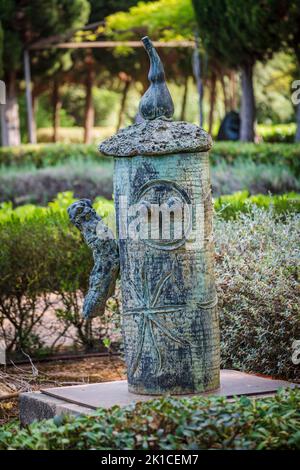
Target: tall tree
x: 292, y: 38
x: 91, y: 67
x: 24, y: 22
x: 239, y: 33
x: 171, y: 20
x: 162, y: 20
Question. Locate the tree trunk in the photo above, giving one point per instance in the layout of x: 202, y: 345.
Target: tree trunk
x: 34, y: 108
x: 297, y: 136
x: 247, y: 105
x: 29, y: 99
x: 233, y: 91
x: 212, y: 101
x: 198, y: 77
x: 89, y: 116
x: 10, y: 121
x: 184, y: 98
x: 56, y: 107
x: 225, y: 94
x: 4, y: 137
x: 123, y: 104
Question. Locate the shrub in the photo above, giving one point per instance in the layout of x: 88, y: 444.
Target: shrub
x: 50, y: 154
x: 86, y: 178
x: 231, y: 206
x: 90, y: 178
x: 277, y: 132
x: 170, y: 424
x: 279, y: 154
x: 255, y: 177
x: 41, y: 255
x: 257, y: 272
x: 43, y: 155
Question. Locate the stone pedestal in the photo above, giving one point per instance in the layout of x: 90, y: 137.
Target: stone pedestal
x: 84, y: 399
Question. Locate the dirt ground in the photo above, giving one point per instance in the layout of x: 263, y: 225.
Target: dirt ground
x: 29, y: 377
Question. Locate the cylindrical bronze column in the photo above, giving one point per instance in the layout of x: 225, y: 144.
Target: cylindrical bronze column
x: 169, y: 318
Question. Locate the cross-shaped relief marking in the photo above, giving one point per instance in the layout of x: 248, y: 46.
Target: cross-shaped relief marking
x: 149, y: 311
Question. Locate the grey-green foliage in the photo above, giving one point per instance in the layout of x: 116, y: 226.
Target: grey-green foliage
x: 255, y: 177
x: 257, y: 268
x: 170, y: 424
x: 86, y: 178
x: 89, y: 178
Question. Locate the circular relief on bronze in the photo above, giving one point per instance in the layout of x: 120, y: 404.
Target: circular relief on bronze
x: 169, y: 210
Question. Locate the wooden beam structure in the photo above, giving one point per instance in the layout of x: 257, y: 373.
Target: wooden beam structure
x: 109, y: 44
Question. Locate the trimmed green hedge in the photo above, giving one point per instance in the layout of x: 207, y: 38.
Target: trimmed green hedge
x: 170, y: 424
x: 231, y: 206
x: 284, y: 154
x: 267, y: 132
x: 42, y: 155
x: 277, y: 132
x: 227, y: 207
x: 89, y: 178
x: 42, y: 254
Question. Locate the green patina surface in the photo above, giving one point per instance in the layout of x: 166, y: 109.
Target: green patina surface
x: 170, y: 321
x: 169, y: 317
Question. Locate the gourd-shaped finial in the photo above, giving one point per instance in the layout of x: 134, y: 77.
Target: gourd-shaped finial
x: 157, y: 101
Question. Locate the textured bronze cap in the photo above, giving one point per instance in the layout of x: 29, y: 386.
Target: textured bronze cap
x: 156, y: 134
x: 157, y: 137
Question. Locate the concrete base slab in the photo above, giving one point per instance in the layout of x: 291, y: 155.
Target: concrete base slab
x: 35, y: 406
x: 83, y: 399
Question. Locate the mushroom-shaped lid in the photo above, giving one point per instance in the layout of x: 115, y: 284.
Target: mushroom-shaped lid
x: 156, y: 134
x: 157, y: 137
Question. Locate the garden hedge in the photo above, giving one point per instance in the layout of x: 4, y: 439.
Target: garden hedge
x: 257, y: 275
x: 88, y: 178
x: 170, y: 424
x: 85, y: 177
x: 231, y: 206
x: 44, y: 268
x: 43, y: 155
x: 277, y: 132
x: 284, y: 154
x: 265, y: 132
